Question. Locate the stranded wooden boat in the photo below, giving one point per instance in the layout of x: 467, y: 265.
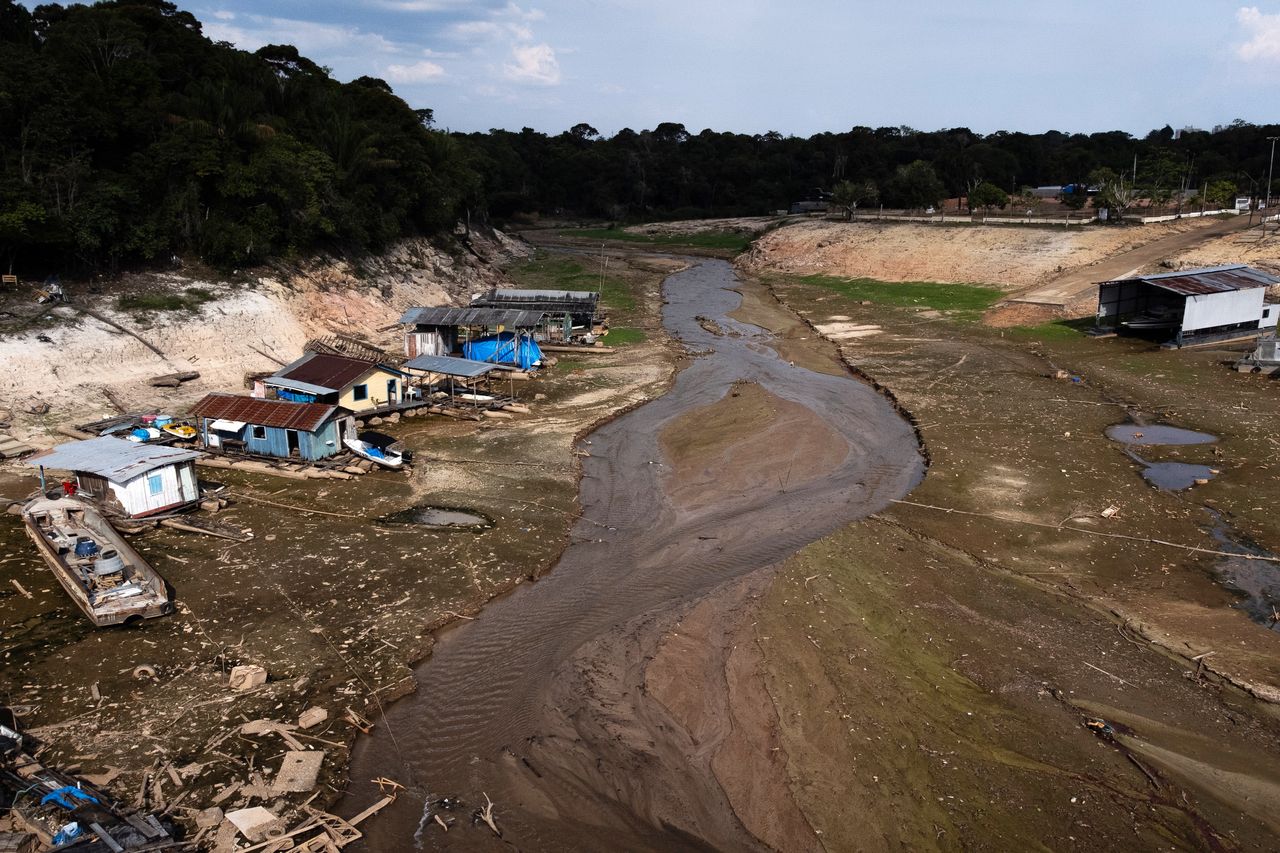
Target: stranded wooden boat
x: 387, y: 458
x: 104, y: 576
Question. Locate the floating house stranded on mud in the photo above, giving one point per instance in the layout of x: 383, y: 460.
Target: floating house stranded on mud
x: 361, y: 386
x: 445, y: 331
x: 249, y: 425
x: 566, y: 313
x: 1191, y: 307
x: 133, y: 479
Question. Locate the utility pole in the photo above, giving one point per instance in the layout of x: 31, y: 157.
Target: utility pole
x: 1271, y: 166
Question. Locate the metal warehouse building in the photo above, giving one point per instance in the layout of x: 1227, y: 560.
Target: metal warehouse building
x: 1189, y: 307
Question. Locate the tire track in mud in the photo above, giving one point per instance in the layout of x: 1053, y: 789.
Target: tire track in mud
x: 540, y: 703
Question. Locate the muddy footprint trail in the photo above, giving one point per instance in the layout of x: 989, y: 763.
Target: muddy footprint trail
x: 540, y: 703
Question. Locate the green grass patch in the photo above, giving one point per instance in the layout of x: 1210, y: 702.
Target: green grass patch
x: 972, y: 298
x: 623, y: 335
x: 1058, y: 330
x: 730, y: 241
x: 190, y: 300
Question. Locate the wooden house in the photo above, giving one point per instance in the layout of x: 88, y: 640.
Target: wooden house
x: 134, y: 478
x: 358, y: 385
x: 443, y: 331
x: 236, y: 424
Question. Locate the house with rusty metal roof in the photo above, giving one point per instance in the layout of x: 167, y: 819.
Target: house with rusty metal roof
x: 1190, y: 307
x: 359, y: 385
x: 229, y: 423
x: 133, y: 478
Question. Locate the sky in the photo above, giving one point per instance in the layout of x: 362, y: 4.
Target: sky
x: 795, y: 66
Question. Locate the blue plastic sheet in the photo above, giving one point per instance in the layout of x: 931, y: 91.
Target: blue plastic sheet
x: 504, y: 348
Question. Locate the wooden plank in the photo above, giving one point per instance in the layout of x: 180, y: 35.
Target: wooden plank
x: 106, y: 839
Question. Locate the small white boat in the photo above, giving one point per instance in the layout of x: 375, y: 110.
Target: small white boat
x: 104, y: 576
x: 385, y: 458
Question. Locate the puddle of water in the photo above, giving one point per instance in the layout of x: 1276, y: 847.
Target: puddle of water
x: 1174, y: 476
x: 1152, y: 434
x: 1257, y: 581
x: 439, y: 518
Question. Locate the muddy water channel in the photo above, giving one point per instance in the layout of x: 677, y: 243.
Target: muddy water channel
x: 534, y: 704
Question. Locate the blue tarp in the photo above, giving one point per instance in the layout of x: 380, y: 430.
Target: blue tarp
x: 504, y: 348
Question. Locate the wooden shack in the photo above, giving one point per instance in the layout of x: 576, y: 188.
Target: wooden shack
x: 133, y: 478
x: 229, y: 423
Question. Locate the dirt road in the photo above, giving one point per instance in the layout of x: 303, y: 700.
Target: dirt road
x: 1069, y: 289
x: 548, y: 702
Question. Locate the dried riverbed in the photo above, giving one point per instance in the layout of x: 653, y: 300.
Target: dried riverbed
x: 546, y: 702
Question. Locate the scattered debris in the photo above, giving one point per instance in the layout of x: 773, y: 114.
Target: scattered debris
x: 298, y: 771
x: 247, y: 677
x: 312, y: 717
x: 173, y: 380
x: 256, y: 823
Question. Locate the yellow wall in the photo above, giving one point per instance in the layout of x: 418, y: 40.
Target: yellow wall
x: 376, y: 379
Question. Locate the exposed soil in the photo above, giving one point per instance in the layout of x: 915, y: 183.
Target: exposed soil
x: 1010, y: 258
x: 964, y: 645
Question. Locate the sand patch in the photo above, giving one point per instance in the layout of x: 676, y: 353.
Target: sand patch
x: 714, y: 452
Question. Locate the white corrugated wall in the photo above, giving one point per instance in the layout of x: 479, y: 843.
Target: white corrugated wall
x: 136, y: 496
x: 1211, y: 310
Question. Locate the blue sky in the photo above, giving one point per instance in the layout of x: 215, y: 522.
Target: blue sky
x: 799, y: 67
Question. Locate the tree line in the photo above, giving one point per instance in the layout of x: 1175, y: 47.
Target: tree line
x: 127, y: 137
x: 670, y: 172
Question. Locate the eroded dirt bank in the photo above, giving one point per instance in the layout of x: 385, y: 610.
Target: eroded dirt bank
x: 1009, y: 258
x: 544, y: 702
x: 79, y: 366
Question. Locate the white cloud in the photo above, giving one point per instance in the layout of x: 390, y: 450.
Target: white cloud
x: 420, y: 5
x: 320, y: 42
x: 534, y: 63
x: 1264, y: 35
x: 475, y: 30
x: 418, y: 72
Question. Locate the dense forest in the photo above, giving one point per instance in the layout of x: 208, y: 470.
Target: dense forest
x: 128, y: 137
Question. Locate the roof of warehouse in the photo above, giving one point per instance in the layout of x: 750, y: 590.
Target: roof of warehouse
x: 1205, y: 281
x: 509, y: 317
x: 116, y: 459
x: 307, y: 417
x: 449, y: 366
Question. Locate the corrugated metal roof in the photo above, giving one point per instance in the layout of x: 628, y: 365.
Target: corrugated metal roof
x: 1200, y: 282
x: 580, y: 302
x: 450, y: 366
x: 512, y: 293
x: 322, y: 370
x: 510, y: 318
x: 116, y: 459
x: 307, y: 417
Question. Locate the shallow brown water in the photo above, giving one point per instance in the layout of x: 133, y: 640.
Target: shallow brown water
x: 493, y: 713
